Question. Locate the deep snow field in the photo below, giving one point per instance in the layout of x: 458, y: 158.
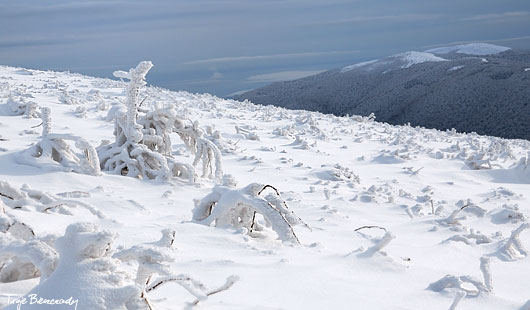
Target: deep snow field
x: 449, y: 203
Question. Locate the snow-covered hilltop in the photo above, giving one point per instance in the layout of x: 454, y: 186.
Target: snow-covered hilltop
x: 408, y: 59
x: 475, y: 87
x: 309, y: 211
x: 477, y: 49
x: 404, y: 60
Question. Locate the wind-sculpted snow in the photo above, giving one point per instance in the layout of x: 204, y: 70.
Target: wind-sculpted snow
x: 309, y: 211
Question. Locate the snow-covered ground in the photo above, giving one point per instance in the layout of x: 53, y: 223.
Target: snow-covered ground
x: 444, y: 203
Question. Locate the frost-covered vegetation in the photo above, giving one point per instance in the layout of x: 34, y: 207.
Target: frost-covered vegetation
x: 142, y: 146
x: 231, y: 205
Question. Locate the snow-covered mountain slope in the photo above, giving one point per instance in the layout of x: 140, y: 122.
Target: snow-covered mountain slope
x: 475, y: 87
x: 479, y: 49
x: 403, y: 60
x: 445, y: 205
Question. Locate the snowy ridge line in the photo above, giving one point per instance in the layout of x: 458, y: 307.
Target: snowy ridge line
x: 450, y: 210
x: 478, y: 49
x: 402, y: 60
x: 413, y: 57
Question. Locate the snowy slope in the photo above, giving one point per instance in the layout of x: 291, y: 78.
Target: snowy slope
x: 479, y: 88
x: 336, y: 173
x: 399, y: 61
x: 479, y: 49
x: 413, y: 58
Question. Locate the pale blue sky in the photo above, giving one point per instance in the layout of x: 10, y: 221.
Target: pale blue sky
x: 225, y: 46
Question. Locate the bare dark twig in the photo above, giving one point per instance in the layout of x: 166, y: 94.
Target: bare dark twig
x: 8, y: 197
x: 370, y: 226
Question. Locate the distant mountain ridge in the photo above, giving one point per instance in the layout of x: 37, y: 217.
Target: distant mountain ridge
x: 476, y: 87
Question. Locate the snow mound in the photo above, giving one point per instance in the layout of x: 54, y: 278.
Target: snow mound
x: 470, y: 49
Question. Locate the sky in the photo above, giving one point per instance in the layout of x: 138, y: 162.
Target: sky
x: 226, y: 46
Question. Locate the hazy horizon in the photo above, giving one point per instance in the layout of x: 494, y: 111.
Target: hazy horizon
x: 221, y: 47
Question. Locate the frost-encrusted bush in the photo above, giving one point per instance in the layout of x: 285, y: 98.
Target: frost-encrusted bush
x: 21, y: 260
x: 66, y: 98
x: 36, y: 200
x: 128, y: 155
x: 54, y: 152
x: 154, y: 270
x: 245, y: 132
x: 142, y: 146
x: 19, y: 106
x: 89, y: 271
x: 22, y: 255
x: 227, y: 206
x: 162, y: 122
x: 478, y: 161
x: 466, y: 286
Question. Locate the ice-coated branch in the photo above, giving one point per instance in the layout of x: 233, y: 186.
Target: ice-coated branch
x: 230, y: 281
x: 513, y: 248
x: 450, y: 281
x: 378, y: 246
x: 193, y: 286
x: 42, y: 201
x: 152, y: 258
x: 461, y: 283
x: 46, y: 121
x: 10, y: 192
x: 203, y: 149
x: 486, y: 272
x: 458, y: 297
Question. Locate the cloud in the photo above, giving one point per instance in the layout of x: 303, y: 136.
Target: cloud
x: 281, y: 76
x: 217, y: 75
x: 263, y: 57
x: 497, y: 16
x: 379, y: 18
x: 237, y: 93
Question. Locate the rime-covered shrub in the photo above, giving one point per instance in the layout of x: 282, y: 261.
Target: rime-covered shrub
x: 88, y: 271
x: 54, y: 152
x: 142, y: 146
x: 130, y: 153
x: 19, y: 106
x: 21, y: 260
x: 165, y: 121
x: 36, y: 200
x: 22, y: 255
x: 226, y: 206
